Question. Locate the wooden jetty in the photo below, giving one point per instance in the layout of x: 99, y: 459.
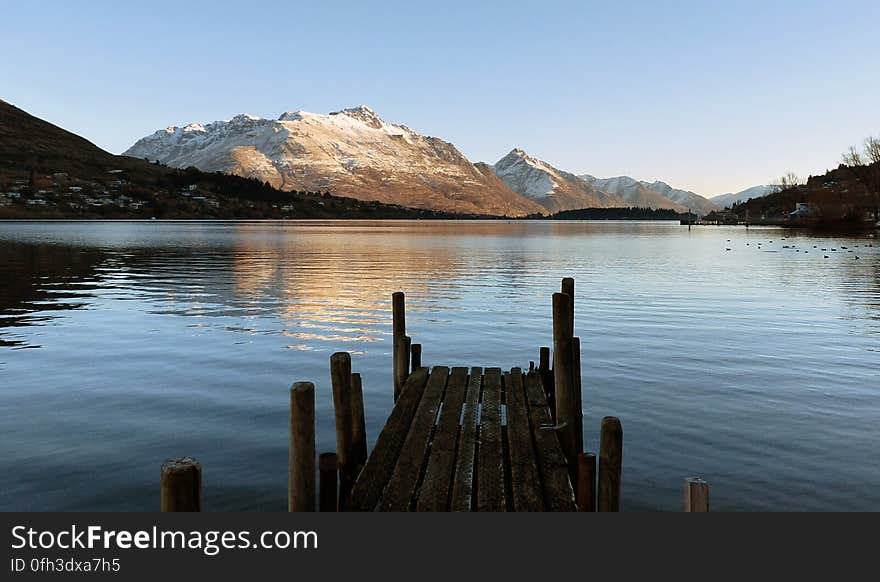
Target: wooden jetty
x: 457, y: 438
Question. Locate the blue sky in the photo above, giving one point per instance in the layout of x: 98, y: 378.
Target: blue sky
x: 709, y: 96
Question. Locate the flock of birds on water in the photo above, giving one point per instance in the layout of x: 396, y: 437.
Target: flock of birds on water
x: 817, y: 248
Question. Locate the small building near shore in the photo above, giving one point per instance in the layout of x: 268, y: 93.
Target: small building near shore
x: 802, y: 210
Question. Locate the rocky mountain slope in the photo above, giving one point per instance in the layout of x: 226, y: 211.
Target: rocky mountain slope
x: 550, y: 187
x: 352, y: 153
x: 728, y: 200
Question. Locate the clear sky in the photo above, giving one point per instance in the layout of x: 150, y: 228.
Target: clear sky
x: 709, y: 96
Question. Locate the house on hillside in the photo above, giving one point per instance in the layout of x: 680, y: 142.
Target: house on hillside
x: 801, y: 210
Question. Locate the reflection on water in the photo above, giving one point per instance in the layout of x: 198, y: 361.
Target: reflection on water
x: 157, y: 339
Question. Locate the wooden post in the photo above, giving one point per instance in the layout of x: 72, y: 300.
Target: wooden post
x: 408, y: 350
x: 696, y: 495
x: 328, y: 469
x: 547, y: 380
x: 301, y: 467
x: 610, y: 464
x: 563, y: 379
x: 340, y: 377
x: 544, y: 359
x: 578, y: 408
x: 568, y: 289
x: 181, y: 485
x: 398, y: 341
x: 586, y: 482
x: 416, y: 353
x: 358, y: 422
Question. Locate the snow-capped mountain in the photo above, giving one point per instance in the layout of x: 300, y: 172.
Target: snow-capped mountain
x: 728, y: 200
x: 633, y: 192
x: 550, y: 187
x: 352, y: 152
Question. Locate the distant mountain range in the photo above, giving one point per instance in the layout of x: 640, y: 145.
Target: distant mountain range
x: 356, y: 153
x: 553, y: 189
x: 728, y: 200
x: 352, y: 152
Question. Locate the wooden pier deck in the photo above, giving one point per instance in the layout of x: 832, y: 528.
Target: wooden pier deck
x: 457, y: 439
x: 467, y: 440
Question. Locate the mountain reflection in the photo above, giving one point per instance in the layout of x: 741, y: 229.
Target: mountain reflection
x: 329, y: 282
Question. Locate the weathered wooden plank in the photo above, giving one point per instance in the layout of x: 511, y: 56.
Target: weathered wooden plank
x: 402, y: 486
x: 552, y: 463
x: 525, y: 483
x: 434, y: 493
x: 376, y: 473
x: 490, y: 468
x: 463, y: 483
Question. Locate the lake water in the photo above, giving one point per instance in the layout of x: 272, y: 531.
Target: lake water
x: 122, y: 344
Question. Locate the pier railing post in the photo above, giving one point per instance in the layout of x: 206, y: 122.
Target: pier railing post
x: 416, y: 356
x: 585, y: 496
x: 400, y: 356
x: 577, y: 407
x: 610, y: 464
x: 301, y: 467
x: 563, y: 379
x: 547, y: 380
x: 358, y: 422
x: 181, y: 485
x: 568, y: 289
x: 340, y: 378
x: 696, y: 495
x: 328, y: 469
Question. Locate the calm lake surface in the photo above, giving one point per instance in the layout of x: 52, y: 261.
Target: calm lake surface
x: 122, y: 344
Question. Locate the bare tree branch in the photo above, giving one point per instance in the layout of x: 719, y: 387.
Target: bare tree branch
x: 852, y: 157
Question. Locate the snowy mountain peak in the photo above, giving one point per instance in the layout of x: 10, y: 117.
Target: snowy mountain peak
x: 292, y: 115
x: 245, y: 118
x: 362, y: 113
x: 552, y: 188
x: 519, y: 156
